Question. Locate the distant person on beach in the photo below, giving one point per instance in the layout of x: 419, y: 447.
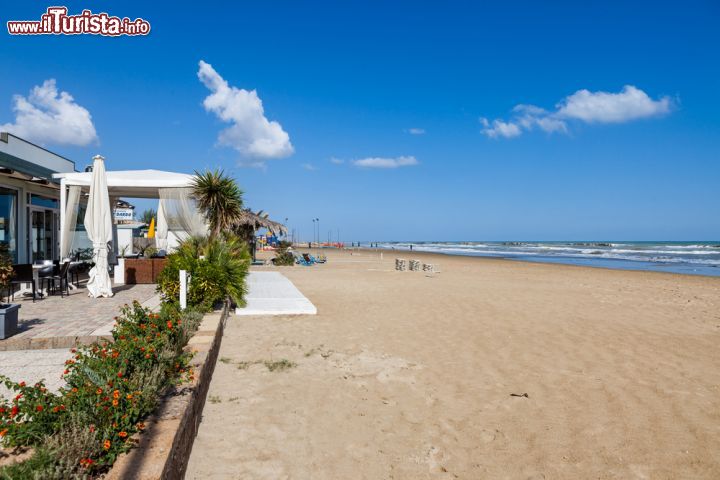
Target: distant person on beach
x: 309, y: 245
x: 411, y: 247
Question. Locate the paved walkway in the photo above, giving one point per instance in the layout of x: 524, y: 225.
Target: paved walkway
x: 31, y: 366
x: 59, y: 322
x: 52, y: 322
x: 271, y: 293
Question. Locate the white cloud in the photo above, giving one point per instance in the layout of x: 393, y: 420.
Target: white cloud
x: 416, y: 131
x: 309, y: 166
x: 498, y: 128
x: 603, y: 107
x: 584, y: 106
x: 250, y: 133
x: 381, y: 162
x: 46, y: 116
x: 337, y: 161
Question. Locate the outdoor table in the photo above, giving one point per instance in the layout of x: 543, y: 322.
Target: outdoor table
x: 36, y: 279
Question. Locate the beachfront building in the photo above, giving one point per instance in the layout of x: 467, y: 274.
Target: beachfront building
x: 30, y: 199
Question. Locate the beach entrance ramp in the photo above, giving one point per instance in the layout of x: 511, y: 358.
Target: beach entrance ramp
x: 271, y: 293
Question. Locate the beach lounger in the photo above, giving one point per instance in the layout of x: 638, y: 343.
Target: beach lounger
x: 309, y: 258
x: 301, y: 261
x: 318, y: 259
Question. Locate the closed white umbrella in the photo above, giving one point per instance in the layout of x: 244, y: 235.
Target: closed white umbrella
x: 98, y: 224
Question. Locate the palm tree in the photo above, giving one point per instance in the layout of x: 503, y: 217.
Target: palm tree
x: 249, y: 221
x: 218, y: 198
x: 148, y: 215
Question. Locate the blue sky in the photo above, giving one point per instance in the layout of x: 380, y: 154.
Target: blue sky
x: 351, y: 80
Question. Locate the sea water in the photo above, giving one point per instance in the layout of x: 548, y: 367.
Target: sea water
x: 698, y: 258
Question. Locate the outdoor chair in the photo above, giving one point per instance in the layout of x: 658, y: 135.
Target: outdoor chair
x: 48, y: 270
x: 22, y: 273
x: 300, y: 260
x: 74, y: 273
x: 309, y: 258
x: 60, y: 276
x: 318, y: 259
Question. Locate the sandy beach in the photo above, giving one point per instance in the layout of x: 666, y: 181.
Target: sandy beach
x: 488, y: 369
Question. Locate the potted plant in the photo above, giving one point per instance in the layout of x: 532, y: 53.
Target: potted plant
x: 8, y: 312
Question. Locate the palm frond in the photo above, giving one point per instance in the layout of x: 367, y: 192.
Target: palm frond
x: 219, y: 199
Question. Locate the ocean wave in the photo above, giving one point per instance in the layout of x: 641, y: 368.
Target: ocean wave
x: 695, y: 254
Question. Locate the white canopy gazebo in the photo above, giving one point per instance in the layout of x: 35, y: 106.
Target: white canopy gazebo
x: 173, y: 190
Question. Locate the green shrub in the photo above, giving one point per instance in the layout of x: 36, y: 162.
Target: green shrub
x: 111, y: 388
x: 282, y: 255
x: 217, y: 266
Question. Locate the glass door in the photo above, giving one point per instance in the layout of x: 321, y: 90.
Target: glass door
x: 43, y: 234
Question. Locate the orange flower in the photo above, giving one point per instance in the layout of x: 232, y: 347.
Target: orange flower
x: 147, y: 355
x: 169, y: 325
x: 74, y: 390
x: 39, y: 408
x: 98, y: 391
x: 21, y: 384
x: 122, y: 434
x: 129, y: 396
x: 140, y: 426
x: 106, y: 445
x: 115, y: 403
x: 116, y: 394
x: 2, y: 433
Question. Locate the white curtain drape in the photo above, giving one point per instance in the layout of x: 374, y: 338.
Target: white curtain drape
x: 177, y: 213
x: 71, y: 213
x: 161, y: 227
x: 113, y: 252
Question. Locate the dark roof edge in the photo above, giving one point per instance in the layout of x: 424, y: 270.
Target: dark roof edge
x: 4, y: 138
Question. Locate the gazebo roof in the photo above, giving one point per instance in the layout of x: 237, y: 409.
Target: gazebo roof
x: 131, y: 183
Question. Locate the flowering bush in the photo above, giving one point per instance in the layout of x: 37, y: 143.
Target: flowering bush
x: 111, y: 387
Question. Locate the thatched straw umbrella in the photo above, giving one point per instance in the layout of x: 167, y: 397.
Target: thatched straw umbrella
x: 249, y: 222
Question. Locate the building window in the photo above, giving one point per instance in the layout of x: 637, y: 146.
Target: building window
x: 41, y: 201
x: 8, y: 220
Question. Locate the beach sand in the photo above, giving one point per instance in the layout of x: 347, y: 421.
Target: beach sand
x: 407, y: 376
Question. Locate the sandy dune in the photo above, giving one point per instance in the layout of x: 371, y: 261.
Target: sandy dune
x: 408, y: 376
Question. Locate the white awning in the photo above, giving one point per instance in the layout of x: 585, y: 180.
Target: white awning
x: 131, y: 183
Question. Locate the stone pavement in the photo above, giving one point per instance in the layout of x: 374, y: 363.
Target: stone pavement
x: 52, y: 325
x: 55, y: 322
x: 31, y: 366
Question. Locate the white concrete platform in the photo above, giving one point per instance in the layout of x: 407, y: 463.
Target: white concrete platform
x: 271, y: 293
